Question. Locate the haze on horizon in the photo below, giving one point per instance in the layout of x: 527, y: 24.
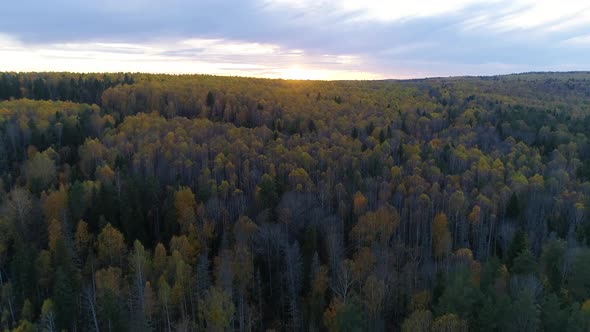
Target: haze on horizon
x: 297, y: 39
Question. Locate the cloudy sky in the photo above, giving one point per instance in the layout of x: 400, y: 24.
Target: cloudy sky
x: 303, y: 39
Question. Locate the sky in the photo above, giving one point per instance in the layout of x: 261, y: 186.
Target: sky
x: 297, y: 39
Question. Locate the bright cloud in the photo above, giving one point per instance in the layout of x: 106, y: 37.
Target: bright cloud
x: 207, y: 56
x: 548, y: 15
x: 500, y: 14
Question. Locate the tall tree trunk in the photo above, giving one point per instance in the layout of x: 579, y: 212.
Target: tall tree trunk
x: 10, y: 307
x: 89, y: 294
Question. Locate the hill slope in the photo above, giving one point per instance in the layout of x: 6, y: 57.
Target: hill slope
x: 135, y: 201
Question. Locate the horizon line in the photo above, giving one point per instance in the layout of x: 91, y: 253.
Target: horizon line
x: 417, y: 78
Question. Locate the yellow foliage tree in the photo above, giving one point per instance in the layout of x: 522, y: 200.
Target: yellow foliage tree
x: 83, y: 238
x: 418, y: 321
x: 216, y: 310
x: 441, y: 236
x: 376, y: 226
x: 359, y: 203
x: 54, y: 234
x: 185, y: 205
x: 111, y: 246
x: 449, y: 323
x: 55, y: 203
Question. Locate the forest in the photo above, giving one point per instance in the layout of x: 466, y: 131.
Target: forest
x: 147, y: 202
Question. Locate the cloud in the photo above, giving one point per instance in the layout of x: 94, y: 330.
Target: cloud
x: 207, y: 56
x: 583, y: 40
x: 543, y: 14
x: 497, y: 14
x: 386, y: 11
x: 370, y: 38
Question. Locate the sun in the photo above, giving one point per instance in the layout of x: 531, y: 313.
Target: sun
x: 297, y: 72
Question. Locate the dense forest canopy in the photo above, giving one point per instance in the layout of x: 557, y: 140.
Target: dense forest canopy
x: 187, y: 203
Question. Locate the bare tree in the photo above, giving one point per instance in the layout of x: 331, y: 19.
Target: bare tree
x: 343, y: 281
x: 8, y: 296
x: 89, y: 297
x: 19, y: 207
x: 294, y: 281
